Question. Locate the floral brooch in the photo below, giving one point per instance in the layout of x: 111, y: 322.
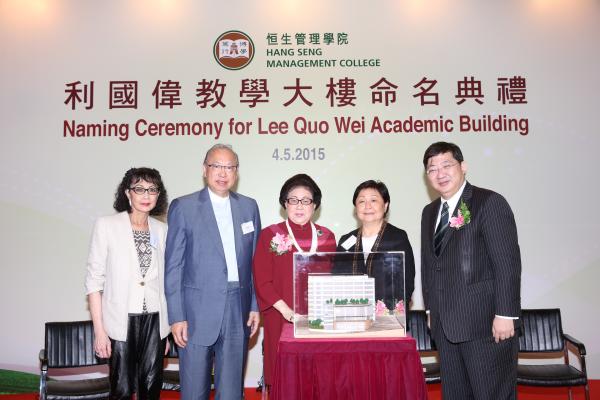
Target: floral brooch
x: 280, y: 244
x: 463, y: 216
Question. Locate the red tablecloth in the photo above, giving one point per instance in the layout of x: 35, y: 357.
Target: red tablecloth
x: 349, y: 369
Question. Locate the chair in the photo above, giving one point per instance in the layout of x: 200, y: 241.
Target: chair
x: 171, y: 377
x: 417, y: 327
x: 70, y: 345
x: 542, y: 335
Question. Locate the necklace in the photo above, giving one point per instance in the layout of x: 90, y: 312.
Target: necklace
x: 358, y: 250
x: 314, y: 240
x: 137, y: 225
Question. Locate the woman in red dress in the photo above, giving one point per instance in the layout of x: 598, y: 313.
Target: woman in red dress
x: 273, y: 261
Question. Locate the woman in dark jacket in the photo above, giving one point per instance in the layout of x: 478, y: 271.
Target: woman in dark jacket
x: 375, y: 235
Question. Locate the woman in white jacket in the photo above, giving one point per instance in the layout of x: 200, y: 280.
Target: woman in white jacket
x: 125, y: 289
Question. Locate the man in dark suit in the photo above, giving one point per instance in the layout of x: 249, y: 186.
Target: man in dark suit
x: 211, y: 239
x: 471, y: 278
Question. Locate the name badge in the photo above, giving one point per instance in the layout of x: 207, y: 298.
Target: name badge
x: 247, y: 227
x: 153, y: 240
x: 351, y: 241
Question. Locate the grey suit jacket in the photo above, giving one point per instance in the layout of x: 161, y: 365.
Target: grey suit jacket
x: 195, y: 266
x: 478, y: 272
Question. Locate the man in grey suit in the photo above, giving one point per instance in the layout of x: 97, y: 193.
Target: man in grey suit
x: 471, y: 278
x: 212, y: 308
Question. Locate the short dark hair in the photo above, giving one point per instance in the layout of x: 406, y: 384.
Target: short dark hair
x: 300, y: 180
x: 377, y: 185
x: 133, y: 176
x: 441, y: 148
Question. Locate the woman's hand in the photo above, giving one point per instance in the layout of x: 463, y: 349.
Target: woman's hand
x: 102, y: 345
x: 287, y: 313
x: 167, y: 347
x: 101, y: 339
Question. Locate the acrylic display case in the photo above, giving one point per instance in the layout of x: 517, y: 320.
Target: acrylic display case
x: 349, y: 295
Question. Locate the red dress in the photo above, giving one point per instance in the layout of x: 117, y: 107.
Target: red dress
x: 273, y: 280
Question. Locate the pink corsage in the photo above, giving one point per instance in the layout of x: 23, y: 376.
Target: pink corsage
x: 463, y: 216
x: 280, y: 244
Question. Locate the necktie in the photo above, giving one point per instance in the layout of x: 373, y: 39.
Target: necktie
x: 441, y: 229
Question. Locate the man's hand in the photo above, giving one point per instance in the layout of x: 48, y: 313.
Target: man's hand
x: 503, y: 328
x: 253, y: 322
x: 180, y: 333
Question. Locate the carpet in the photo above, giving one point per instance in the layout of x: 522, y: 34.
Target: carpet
x: 434, y: 393
x: 18, y: 382
x: 23, y: 386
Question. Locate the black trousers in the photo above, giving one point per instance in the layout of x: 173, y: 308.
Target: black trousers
x: 480, y: 369
x: 136, y: 365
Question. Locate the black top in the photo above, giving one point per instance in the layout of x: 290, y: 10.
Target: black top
x: 380, y: 266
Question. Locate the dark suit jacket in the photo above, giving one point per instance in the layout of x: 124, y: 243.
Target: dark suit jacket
x: 195, y: 266
x: 393, y: 239
x: 478, y: 272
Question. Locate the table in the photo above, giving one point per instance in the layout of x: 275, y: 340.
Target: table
x: 352, y: 369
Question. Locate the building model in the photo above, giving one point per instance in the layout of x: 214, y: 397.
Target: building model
x: 341, y: 303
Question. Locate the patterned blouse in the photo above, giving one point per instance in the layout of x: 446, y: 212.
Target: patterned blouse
x: 142, y: 245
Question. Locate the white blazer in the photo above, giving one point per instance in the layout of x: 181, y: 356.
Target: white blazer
x: 113, y: 265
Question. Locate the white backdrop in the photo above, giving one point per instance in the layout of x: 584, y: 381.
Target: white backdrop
x: 53, y: 185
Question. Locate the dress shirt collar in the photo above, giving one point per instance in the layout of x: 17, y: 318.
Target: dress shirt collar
x: 216, y: 199
x: 453, y: 201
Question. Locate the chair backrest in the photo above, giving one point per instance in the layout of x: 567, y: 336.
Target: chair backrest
x: 541, y: 331
x: 71, y: 344
x: 417, y: 326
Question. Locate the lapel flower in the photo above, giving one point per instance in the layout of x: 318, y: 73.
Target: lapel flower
x: 319, y: 233
x: 463, y: 216
x: 280, y: 244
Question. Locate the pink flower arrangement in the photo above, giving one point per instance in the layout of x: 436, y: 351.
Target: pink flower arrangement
x: 381, y: 309
x: 280, y: 244
x: 400, y: 307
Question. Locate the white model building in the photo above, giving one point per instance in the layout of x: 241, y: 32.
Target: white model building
x: 341, y: 302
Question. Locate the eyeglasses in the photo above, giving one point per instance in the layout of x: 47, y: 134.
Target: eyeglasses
x: 152, y: 191
x: 218, y: 167
x: 295, y: 201
x: 444, y: 168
